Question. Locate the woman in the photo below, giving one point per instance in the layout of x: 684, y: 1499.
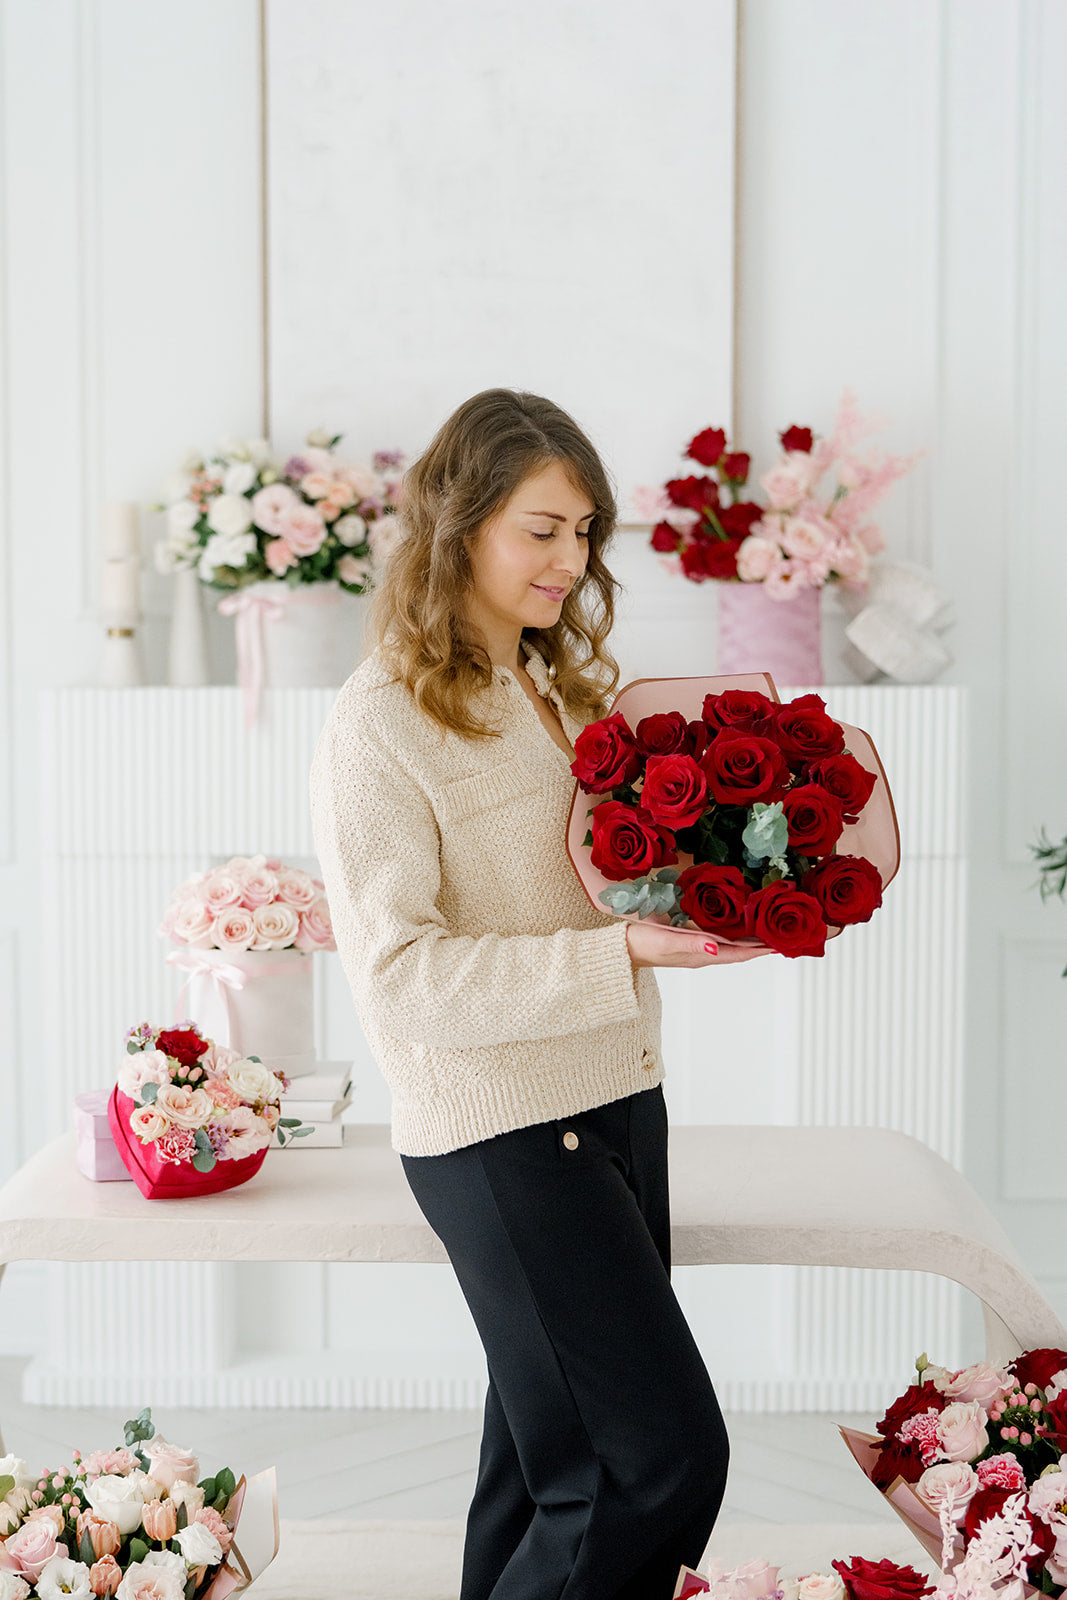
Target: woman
x: 517, y: 1026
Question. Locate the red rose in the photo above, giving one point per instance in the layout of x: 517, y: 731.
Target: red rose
x: 898, y: 1458
x: 693, y: 564
x: 815, y: 819
x: 804, y: 730
x: 707, y: 446
x: 1055, y: 1421
x: 675, y: 792
x: 626, y: 845
x: 693, y: 492
x: 737, y: 520
x: 606, y: 756
x: 720, y: 558
x: 796, y: 439
x: 699, y: 739
x: 743, y: 768
x: 743, y: 710
x: 916, y: 1399
x: 184, y: 1044
x: 881, y: 1580
x: 843, y: 776
x: 664, y: 733
x: 1038, y: 1366
x: 735, y: 466
x: 714, y: 898
x: 665, y: 538
x: 848, y: 888
x: 985, y: 1503
x: 786, y: 919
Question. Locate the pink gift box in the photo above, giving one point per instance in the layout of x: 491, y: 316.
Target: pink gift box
x: 97, y: 1157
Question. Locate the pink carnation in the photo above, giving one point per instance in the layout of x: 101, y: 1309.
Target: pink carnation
x: 116, y: 1463
x: 214, y: 1523
x: 1001, y: 1472
x: 176, y: 1146
x: 923, y: 1429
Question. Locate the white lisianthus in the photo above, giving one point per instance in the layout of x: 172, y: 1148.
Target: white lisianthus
x: 15, y: 1467
x: 139, y: 1068
x: 238, y: 477
x: 182, y: 516
x: 199, y: 1545
x: 252, y: 1080
x: 13, y: 1585
x: 169, y: 1560
x: 117, y: 1500
x: 222, y: 551
x: 230, y: 515
x: 62, y: 1576
x: 350, y: 529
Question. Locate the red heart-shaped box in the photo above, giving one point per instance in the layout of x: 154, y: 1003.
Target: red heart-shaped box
x: 169, y: 1180
x: 875, y: 836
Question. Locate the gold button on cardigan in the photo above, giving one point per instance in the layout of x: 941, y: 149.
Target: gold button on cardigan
x: 492, y: 993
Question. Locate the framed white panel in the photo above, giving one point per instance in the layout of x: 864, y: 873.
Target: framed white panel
x: 472, y: 194
x: 1032, y: 1110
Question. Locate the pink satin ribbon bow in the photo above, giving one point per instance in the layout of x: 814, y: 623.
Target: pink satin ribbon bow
x: 250, y: 611
x: 225, y: 977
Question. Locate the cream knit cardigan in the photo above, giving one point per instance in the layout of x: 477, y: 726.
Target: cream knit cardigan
x: 491, y: 992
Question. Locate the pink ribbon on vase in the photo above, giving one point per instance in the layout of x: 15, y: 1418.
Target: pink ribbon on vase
x: 250, y: 611
x: 225, y: 977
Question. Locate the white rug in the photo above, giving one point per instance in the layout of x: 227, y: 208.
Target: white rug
x: 351, y: 1560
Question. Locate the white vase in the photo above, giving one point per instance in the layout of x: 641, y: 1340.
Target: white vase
x: 311, y: 634
x: 271, y: 1016
x: 187, y: 666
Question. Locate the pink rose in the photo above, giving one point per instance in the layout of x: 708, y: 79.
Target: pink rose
x: 961, y: 1429
x: 803, y: 538
x: 755, y: 558
x: 192, y: 923
x: 364, y: 483
x: 222, y: 889
x: 271, y: 505
x: 279, y: 557
x: 296, y: 888
x: 980, y: 1382
x: 217, y: 1058
x: 233, y: 929
x: 789, y: 482
x: 276, y: 926
x: 113, y: 1463
x: 148, y: 1125
x: 32, y: 1546
x: 350, y: 569
x: 168, y: 1462
x: 304, y: 530
x: 258, y: 888
x: 152, y: 1583
x: 185, y: 1108
x: 316, y: 485
x: 955, y: 1478
x: 316, y: 929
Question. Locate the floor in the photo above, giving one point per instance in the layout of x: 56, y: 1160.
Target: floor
x: 784, y: 1467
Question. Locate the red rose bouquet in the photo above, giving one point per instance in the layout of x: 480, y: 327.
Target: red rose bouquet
x: 974, y: 1462
x: 721, y: 809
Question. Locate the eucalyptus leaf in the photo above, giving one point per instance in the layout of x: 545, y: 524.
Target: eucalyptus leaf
x: 203, y: 1143
x: 767, y: 833
x: 148, y: 1093
x: 302, y: 1133
x: 131, y: 1050
x: 204, y: 1161
x: 139, y: 1427
x: 668, y: 874
x: 289, y: 1122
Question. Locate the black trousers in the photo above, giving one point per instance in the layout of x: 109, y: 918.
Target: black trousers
x: 604, y: 1453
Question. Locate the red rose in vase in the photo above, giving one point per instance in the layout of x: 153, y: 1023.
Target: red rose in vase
x: 714, y: 898
x: 815, y: 819
x: 184, y: 1044
x: 738, y: 520
x: 675, y: 792
x: 736, y: 465
x: 665, y: 539
x: 718, y: 557
x: 797, y: 439
x: 626, y: 845
x: 848, y: 888
x: 843, y: 776
x: 743, y: 768
x: 707, y: 447
x: 606, y: 756
x: 694, y: 493
x: 788, y: 920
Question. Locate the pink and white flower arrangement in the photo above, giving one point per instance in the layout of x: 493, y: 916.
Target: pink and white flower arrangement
x: 240, y: 517
x: 251, y: 903
x: 137, y: 1521
x: 804, y: 536
x: 196, y: 1103
x: 858, y: 1579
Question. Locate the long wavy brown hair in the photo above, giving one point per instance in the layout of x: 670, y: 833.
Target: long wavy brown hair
x: 490, y: 445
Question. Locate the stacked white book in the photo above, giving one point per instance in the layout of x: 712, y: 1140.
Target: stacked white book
x: 317, y: 1099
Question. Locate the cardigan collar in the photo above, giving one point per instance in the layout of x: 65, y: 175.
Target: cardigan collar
x: 538, y: 668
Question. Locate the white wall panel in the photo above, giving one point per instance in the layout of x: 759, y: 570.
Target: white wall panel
x: 477, y: 193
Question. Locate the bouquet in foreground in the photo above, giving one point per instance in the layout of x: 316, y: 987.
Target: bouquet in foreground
x: 765, y: 801
x: 134, y: 1522
x: 250, y: 903
x: 189, y: 1116
x: 857, y: 1579
x: 975, y: 1462
x: 240, y: 517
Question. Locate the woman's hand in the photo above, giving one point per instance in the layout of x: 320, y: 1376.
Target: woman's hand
x: 652, y: 945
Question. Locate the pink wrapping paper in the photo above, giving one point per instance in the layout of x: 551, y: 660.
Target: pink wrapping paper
x: 690, y: 1583
x: 252, y: 1512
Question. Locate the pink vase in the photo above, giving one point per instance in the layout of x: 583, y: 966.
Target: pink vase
x: 782, y: 637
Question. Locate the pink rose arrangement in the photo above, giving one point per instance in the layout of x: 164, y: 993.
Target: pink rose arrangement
x: 708, y: 526
x: 239, y: 517
x: 251, y: 903
x: 137, y: 1520
x: 985, y: 1450
x: 857, y: 1579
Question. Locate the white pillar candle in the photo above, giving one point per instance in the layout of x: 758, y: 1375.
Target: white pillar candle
x: 120, y: 529
x: 120, y: 592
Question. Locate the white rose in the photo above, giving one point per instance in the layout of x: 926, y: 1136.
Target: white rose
x: 169, y: 1560
x: 12, y: 1585
x: 189, y: 1495
x: 351, y: 570
x: 252, y: 1080
x: 319, y: 439
x: 221, y: 551
x: 383, y: 535
x: 119, y: 1500
x: 144, y: 1579
x: 816, y: 1586
x: 15, y: 1467
x: 230, y: 515
x: 148, y: 1488
x: 350, y: 529
x: 182, y: 517
x: 949, y: 1477
x: 962, y: 1431
x: 238, y: 479
x: 199, y: 1545
x: 167, y: 1463
x: 277, y: 925
x: 62, y: 1576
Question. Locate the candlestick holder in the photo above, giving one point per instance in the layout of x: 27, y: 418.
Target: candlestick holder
x: 120, y: 660
x: 120, y: 614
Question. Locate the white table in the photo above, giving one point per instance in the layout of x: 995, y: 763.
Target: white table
x: 849, y: 1197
